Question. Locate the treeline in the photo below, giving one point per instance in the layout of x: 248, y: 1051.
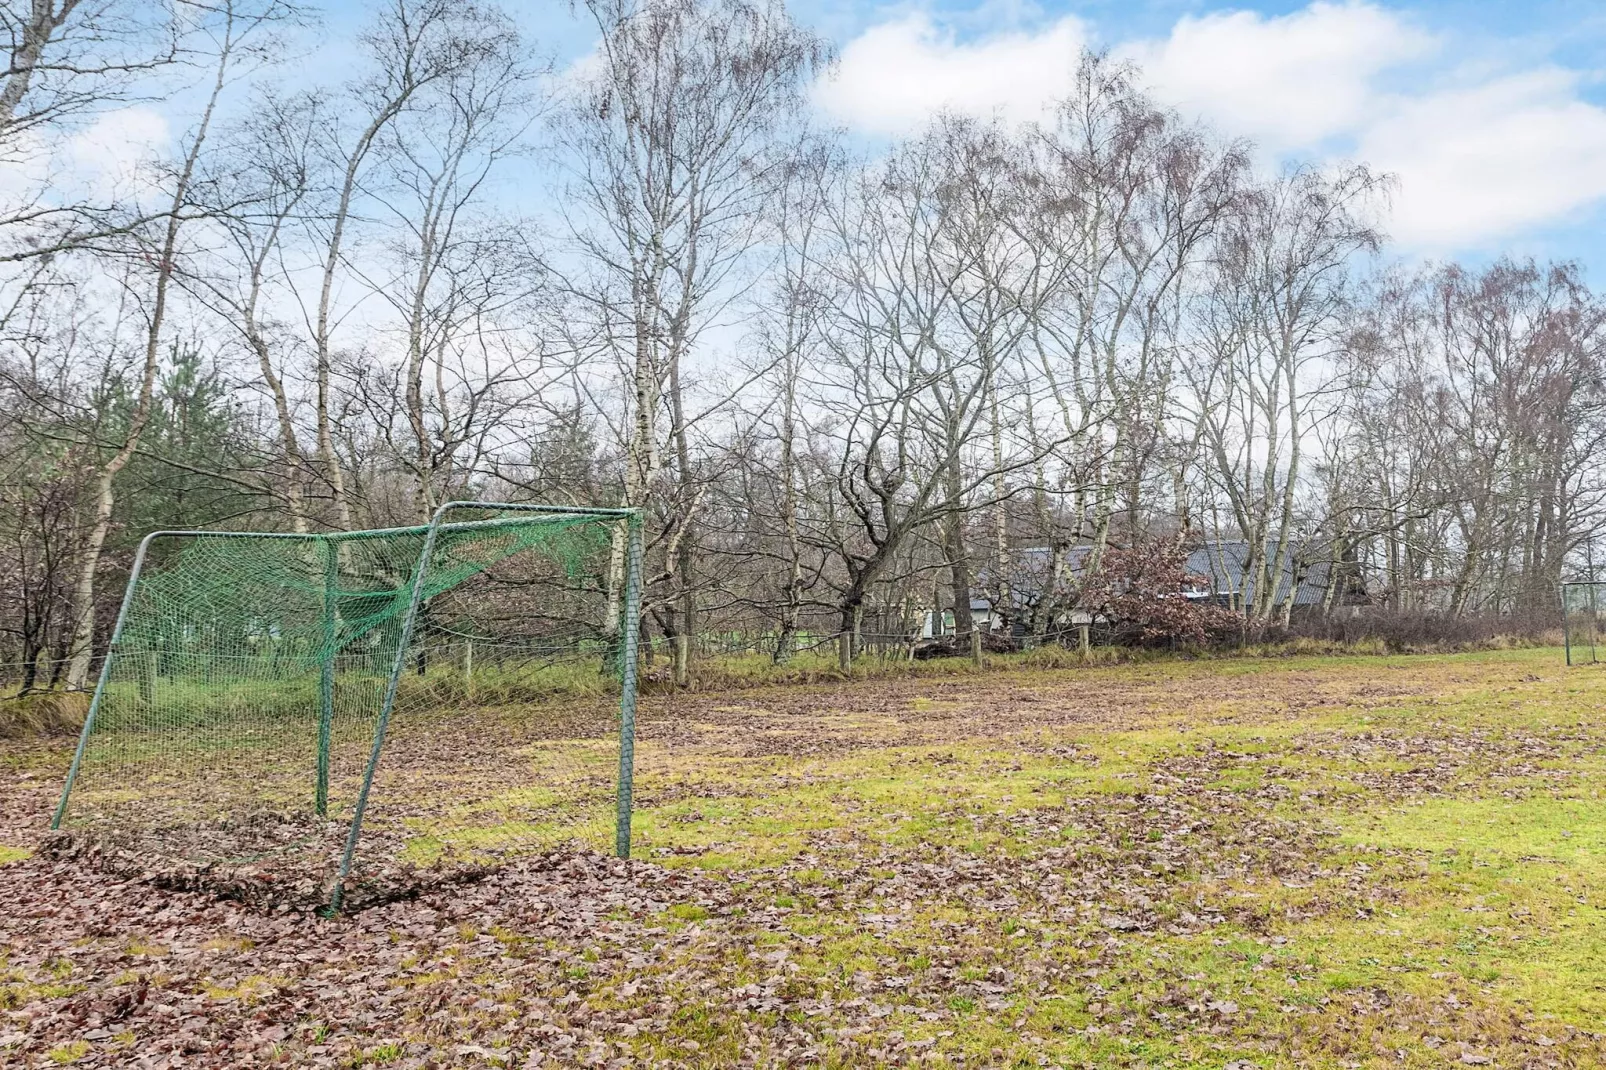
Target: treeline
x: 847, y: 388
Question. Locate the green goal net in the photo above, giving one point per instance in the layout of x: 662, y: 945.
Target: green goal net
x: 338, y: 717
x: 1582, y: 606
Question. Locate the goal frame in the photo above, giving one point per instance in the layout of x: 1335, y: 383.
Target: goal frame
x: 1575, y: 651
x: 630, y: 613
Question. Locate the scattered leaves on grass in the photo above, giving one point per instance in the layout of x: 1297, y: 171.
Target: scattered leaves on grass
x: 1020, y: 872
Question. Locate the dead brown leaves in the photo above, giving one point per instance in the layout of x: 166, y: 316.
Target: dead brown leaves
x: 852, y: 953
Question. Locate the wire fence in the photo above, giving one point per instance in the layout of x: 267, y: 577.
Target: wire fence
x: 482, y: 657
x: 1583, y: 606
x: 45, y: 674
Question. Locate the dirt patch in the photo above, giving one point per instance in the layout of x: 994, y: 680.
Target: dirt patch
x: 838, y: 718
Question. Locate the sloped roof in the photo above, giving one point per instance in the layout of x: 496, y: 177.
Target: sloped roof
x: 1225, y: 561
x: 1221, y: 561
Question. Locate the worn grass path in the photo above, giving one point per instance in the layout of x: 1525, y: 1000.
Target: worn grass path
x: 1324, y: 862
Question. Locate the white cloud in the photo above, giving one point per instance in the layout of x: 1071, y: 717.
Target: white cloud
x: 895, y: 76
x: 108, y: 158
x: 114, y: 153
x: 1489, y: 161
x: 1291, y: 81
x: 1483, y: 153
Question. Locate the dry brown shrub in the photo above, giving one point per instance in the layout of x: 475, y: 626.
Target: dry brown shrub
x: 43, y: 713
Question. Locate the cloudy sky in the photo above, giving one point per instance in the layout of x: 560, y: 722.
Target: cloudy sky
x: 1491, y: 114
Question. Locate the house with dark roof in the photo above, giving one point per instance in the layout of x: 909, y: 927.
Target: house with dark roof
x: 1224, y: 563
x: 1221, y: 566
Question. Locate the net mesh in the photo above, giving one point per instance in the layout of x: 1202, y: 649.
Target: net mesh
x: 244, y: 693
x: 1582, y: 607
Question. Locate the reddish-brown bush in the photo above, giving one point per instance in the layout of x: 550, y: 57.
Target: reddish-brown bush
x: 1142, y: 592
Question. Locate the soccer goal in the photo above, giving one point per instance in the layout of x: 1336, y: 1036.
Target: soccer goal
x: 1582, y: 605
x: 338, y: 716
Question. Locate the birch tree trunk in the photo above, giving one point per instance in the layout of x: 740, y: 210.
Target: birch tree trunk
x: 83, y: 632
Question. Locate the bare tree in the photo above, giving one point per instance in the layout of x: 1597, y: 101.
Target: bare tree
x: 912, y: 368
x: 412, y: 45
x: 458, y: 262
x: 66, y: 61
x: 1517, y: 410
x: 1127, y: 197
x: 680, y: 138
x: 788, y: 336
x: 1269, y: 329
x: 236, y: 28
x: 255, y: 193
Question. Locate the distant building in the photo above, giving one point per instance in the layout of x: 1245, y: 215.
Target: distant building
x: 1220, y: 563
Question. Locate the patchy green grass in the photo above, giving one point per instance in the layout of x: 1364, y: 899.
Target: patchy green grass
x: 1301, y: 862
x: 69, y: 1053
x: 1311, y: 874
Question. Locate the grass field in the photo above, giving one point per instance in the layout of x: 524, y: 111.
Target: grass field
x: 1296, y: 862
